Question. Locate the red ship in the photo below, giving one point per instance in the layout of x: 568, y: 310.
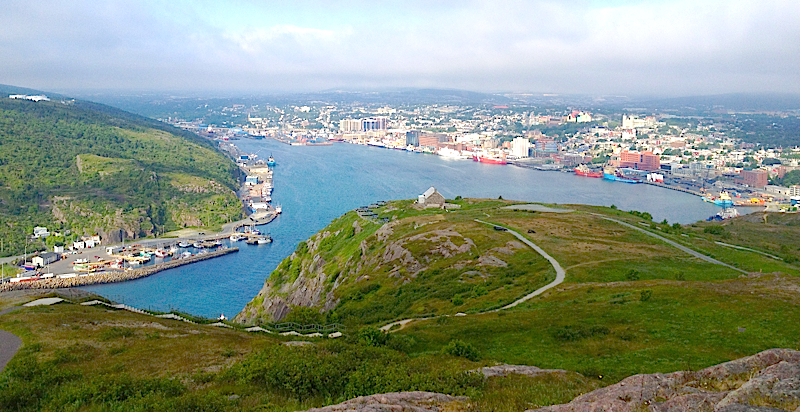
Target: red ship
x: 582, y: 170
x: 495, y: 160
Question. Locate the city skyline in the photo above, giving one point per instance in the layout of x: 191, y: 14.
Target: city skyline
x: 596, y: 47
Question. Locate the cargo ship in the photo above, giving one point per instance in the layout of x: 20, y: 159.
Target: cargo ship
x: 613, y: 174
x: 584, y: 170
x: 491, y: 159
x: 724, y: 200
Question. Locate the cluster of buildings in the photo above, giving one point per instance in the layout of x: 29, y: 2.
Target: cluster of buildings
x: 698, y: 155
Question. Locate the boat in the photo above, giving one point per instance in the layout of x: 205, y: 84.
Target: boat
x: 251, y: 241
x: 198, y: 245
x: 615, y: 175
x: 724, y: 200
x: 278, y: 209
x: 236, y: 238
x: 449, y: 153
x: 184, y: 244
x: 264, y: 240
x: 161, y: 253
x: 218, y: 242
x: 186, y: 254
x: 727, y: 213
x: 490, y: 159
x: 271, y: 161
x: 584, y: 171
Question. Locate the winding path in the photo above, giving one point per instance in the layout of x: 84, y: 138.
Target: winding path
x: 677, y: 245
x: 560, y: 276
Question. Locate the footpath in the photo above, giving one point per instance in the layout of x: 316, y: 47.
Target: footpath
x: 560, y: 277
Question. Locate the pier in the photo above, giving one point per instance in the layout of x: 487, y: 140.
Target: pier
x: 65, y: 281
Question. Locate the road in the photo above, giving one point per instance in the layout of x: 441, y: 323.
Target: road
x: 561, y: 275
x: 694, y: 253
x: 9, y: 343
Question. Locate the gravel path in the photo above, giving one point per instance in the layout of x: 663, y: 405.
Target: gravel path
x: 560, y: 276
x: 560, y: 273
x: 694, y: 253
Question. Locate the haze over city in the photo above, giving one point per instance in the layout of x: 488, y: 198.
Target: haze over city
x: 668, y: 48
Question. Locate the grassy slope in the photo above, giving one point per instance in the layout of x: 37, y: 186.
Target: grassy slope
x: 130, y: 173
x: 373, y: 284
x: 78, y: 358
x: 679, y: 314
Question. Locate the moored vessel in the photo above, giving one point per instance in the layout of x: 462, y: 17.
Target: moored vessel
x: 583, y: 170
x: 615, y: 175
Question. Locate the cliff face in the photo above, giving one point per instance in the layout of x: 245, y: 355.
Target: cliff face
x: 300, y: 280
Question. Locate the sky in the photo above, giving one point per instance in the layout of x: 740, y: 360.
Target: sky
x: 615, y: 47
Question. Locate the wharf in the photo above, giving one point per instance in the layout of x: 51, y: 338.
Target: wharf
x: 111, y: 277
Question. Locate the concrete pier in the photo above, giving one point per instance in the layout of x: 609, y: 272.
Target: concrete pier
x: 111, y: 277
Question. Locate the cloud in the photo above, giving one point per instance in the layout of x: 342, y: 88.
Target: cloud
x: 653, y: 47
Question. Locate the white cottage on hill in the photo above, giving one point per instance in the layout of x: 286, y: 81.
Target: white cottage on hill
x: 431, y: 198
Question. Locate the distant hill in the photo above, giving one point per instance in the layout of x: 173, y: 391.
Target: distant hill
x: 735, y: 102
x: 88, y: 168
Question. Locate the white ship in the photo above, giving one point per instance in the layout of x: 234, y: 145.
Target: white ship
x: 451, y: 153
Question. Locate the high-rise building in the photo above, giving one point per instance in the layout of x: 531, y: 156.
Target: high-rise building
x: 520, y: 147
x: 350, y: 125
x: 373, y: 123
x: 412, y: 138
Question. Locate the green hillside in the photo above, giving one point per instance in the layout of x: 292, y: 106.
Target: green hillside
x: 630, y: 304
x: 89, y: 168
x: 427, y: 262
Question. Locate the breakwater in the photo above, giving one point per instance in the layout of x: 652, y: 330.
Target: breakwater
x: 112, y: 277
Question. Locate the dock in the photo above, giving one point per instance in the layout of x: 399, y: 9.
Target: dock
x: 76, y: 280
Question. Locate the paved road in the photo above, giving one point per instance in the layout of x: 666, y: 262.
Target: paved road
x: 694, y: 253
x: 560, y: 273
x: 9, y: 343
x: 560, y: 276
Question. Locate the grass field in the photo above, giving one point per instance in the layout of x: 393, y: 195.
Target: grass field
x: 619, y: 329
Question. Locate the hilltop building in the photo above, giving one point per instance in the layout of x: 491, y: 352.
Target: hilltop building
x: 431, y: 198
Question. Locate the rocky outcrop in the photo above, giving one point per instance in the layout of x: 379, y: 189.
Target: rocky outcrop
x: 395, y: 402
x: 505, y: 370
x: 760, y: 382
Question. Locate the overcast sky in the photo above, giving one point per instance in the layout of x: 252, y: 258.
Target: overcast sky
x: 593, y: 47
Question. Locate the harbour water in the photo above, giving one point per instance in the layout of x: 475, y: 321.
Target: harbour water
x: 315, y: 185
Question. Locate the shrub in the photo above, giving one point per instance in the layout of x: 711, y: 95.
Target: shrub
x: 632, y: 274
x: 461, y: 349
x: 457, y: 300
x: 304, y: 315
x: 715, y: 230
x: 646, y: 295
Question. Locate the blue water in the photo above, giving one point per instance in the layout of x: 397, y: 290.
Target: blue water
x: 316, y: 184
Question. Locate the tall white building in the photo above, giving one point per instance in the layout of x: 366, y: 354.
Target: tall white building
x: 350, y: 125
x: 520, y: 147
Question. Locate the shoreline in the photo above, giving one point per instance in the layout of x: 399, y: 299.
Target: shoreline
x: 112, y: 277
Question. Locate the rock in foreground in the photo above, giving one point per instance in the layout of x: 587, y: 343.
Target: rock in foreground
x: 394, y: 402
x: 767, y: 381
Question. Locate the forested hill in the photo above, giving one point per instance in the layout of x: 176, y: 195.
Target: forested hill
x: 93, y: 169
